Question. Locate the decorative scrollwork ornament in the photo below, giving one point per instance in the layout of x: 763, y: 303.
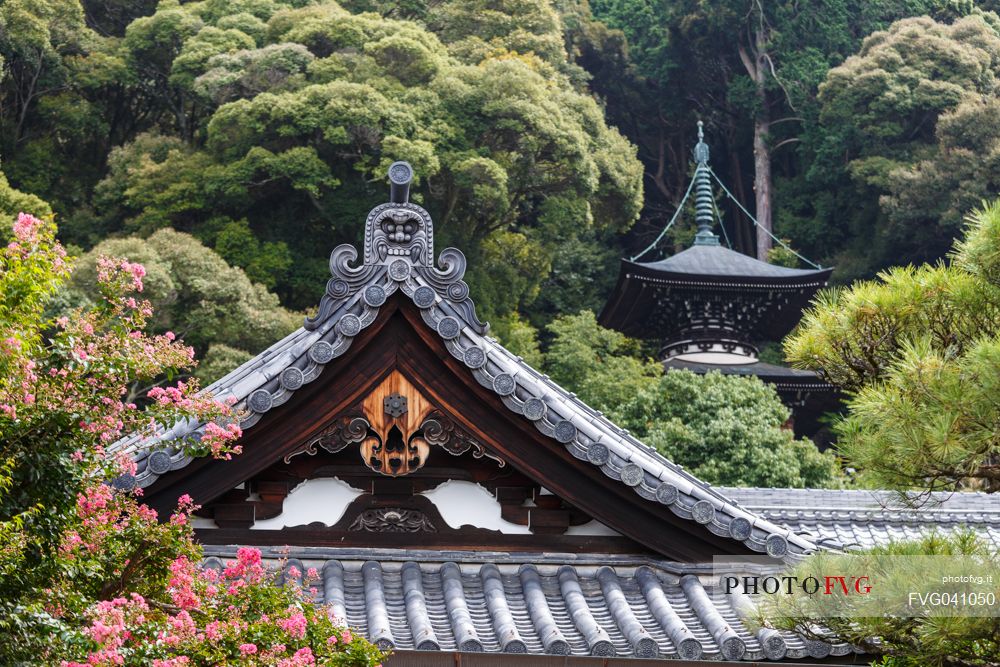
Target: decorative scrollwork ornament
x: 392, y: 520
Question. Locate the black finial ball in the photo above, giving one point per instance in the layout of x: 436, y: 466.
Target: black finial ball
x: 400, y: 173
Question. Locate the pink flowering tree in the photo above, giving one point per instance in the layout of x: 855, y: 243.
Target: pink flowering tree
x: 89, y: 575
x: 188, y: 614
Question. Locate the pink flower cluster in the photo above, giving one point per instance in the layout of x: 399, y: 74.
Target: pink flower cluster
x: 237, y: 612
x: 31, y: 267
x: 109, y: 629
x: 67, y: 386
x: 295, y: 624
x: 302, y: 658
x: 218, y: 438
x: 182, y: 584
x: 112, y: 270
x: 102, y: 517
x: 27, y: 228
x: 34, y: 245
x: 94, y: 358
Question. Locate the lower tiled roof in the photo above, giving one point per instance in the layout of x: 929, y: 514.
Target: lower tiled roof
x: 591, y: 604
x: 540, y: 603
x: 861, y: 518
x: 771, y: 372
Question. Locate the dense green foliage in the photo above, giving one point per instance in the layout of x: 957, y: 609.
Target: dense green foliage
x: 919, y: 350
x: 786, y: 74
x: 914, y: 113
x: 14, y: 201
x: 230, y: 144
x: 263, y: 129
x: 724, y: 429
x: 214, y: 307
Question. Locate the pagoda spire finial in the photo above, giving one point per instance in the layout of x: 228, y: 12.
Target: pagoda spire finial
x: 704, y: 200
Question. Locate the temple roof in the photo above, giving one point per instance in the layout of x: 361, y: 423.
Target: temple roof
x: 564, y: 603
x: 713, y: 262
x: 783, y: 377
x: 607, y: 604
x: 600, y: 605
x: 352, y: 302
x: 863, y: 518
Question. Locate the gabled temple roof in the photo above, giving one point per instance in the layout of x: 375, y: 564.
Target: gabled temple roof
x: 572, y: 604
x: 397, y: 257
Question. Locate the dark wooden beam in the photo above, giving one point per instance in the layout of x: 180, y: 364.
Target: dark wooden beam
x: 325, y: 537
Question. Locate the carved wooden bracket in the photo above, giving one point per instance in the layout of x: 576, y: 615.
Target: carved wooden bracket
x: 396, y: 431
x: 337, y: 436
x: 395, y: 443
x: 439, y: 430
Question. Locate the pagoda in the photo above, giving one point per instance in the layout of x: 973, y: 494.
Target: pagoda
x: 710, y: 307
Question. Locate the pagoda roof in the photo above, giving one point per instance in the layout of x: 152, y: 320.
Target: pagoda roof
x: 708, y: 292
x: 715, y: 262
x: 771, y: 373
x: 651, y: 299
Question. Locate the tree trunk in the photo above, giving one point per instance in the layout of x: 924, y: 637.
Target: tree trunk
x: 742, y: 232
x: 762, y: 180
x: 755, y: 60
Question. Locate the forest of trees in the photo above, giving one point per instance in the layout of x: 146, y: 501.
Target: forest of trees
x: 549, y: 138
x: 243, y: 139
x: 228, y: 145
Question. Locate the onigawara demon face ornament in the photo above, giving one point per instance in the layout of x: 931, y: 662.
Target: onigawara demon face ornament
x: 402, y: 235
x: 398, y: 255
x: 399, y: 228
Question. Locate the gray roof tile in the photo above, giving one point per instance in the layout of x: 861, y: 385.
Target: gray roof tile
x: 704, y: 260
